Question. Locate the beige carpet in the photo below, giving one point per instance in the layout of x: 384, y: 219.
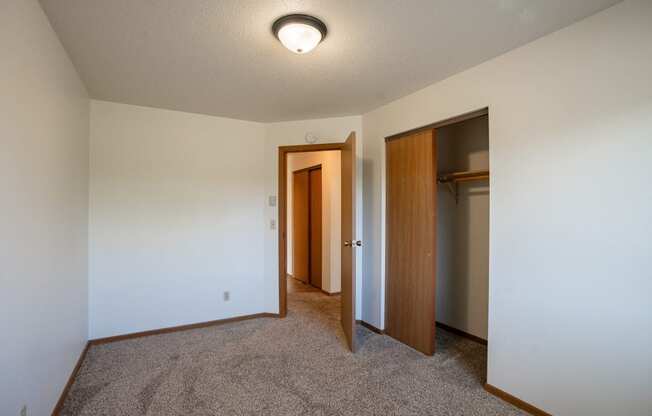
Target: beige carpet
x: 293, y: 366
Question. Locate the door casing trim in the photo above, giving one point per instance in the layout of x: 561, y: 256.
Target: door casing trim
x: 282, y: 213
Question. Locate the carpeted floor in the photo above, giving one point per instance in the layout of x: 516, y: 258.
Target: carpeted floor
x: 293, y: 366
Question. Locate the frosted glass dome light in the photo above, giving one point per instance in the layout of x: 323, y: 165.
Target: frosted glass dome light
x: 299, y: 38
x: 299, y: 33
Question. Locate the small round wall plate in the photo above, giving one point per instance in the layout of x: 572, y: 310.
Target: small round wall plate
x: 311, y: 138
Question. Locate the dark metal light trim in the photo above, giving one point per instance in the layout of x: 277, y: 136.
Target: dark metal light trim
x: 300, y: 18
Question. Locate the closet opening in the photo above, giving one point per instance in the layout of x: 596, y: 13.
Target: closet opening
x: 437, y: 237
x: 462, y: 229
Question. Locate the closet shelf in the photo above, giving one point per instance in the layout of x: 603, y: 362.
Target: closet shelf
x: 453, y: 178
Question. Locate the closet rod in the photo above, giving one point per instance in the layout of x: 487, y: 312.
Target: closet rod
x: 452, y: 179
x: 474, y: 175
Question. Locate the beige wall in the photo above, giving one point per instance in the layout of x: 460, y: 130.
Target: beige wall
x: 176, y: 218
x: 463, y: 229
x: 331, y: 211
x: 44, y: 111
x: 570, y: 127
x: 172, y: 189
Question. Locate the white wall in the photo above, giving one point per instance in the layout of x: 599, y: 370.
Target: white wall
x: 328, y: 130
x: 463, y: 229
x: 331, y: 168
x: 44, y: 211
x: 176, y: 203
x: 570, y: 130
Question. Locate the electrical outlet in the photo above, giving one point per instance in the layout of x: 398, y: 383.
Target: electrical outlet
x: 272, y: 200
x: 227, y: 296
x: 23, y: 411
x: 272, y: 224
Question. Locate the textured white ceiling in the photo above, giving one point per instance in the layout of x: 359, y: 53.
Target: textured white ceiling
x: 219, y: 57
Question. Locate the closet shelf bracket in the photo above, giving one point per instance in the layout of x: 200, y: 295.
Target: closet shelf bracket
x: 452, y: 179
x: 452, y: 188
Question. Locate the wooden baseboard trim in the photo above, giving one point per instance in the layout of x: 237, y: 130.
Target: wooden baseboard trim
x: 71, y: 380
x: 439, y: 324
x: 370, y: 327
x: 461, y: 333
x: 116, y: 338
x: 515, y: 401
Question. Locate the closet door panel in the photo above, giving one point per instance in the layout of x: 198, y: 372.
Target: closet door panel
x: 316, y: 228
x: 300, y: 226
x: 411, y: 239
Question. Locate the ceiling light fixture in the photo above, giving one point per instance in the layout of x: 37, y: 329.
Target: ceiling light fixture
x: 299, y: 33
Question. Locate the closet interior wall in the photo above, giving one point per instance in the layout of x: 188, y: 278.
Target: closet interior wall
x: 463, y: 229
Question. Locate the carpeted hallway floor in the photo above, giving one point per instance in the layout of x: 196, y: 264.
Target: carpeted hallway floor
x: 293, y: 366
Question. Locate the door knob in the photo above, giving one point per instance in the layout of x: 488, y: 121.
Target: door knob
x: 358, y: 243
x: 347, y: 243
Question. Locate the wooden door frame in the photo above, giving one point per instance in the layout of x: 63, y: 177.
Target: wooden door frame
x: 442, y: 123
x: 432, y: 126
x: 307, y: 169
x: 282, y: 213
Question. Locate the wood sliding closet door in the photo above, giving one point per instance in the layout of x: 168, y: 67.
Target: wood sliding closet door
x: 300, y: 226
x: 411, y: 237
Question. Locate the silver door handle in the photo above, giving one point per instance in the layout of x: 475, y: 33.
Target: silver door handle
x: 358, y: 243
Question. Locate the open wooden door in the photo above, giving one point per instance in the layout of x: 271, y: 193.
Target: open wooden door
x: 411, y: 238
x: 349, y: 243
